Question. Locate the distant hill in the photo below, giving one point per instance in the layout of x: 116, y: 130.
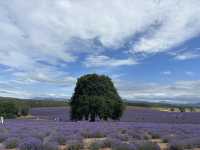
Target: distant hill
x: 59, y: 102
x: 36, y: 102
x: 159, y: 104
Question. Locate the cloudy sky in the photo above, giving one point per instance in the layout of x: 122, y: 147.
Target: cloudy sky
x: 151, y: 49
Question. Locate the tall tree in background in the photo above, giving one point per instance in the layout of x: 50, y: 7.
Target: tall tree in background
x: 95, y: 96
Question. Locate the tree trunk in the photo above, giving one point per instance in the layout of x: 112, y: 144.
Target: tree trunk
x: 92, y: 118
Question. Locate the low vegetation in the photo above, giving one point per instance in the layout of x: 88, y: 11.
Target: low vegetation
x: 12, y: 108
x: 50, y: 135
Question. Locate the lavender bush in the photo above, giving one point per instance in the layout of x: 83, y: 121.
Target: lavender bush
x: 44, y: 134
x: 75, y: 145
x: 130, y: 115
x: 12, y: 142
x: 50, y: 146
x: 148, y: 146
x: 31, y: 143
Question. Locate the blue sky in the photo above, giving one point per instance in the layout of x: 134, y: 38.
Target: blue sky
x: 150, y: 49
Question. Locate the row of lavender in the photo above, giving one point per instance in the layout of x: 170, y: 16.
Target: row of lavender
x: 126, y: 135
x: 133, y: 115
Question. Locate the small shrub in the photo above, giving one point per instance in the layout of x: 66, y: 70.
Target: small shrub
x: 172, y: 109
x: 146, y: 137
x: 31, y: 144
x: 11, y: 143
x: 155, y: 136
x: 176, y: 147
x: 165, y: 140
x: 182, y: 109
x: 101, y: 144
x: 123, y: 131
x: 124, y: 146
x: 50, y: 146
x: 95, y: 146
x: 3, y: 137
x: 75, y: 145
x: 39, y: 135
x: 106, y: 143
x: 148, y: 146
x: 56, y: 137
x: 61, y: 140
x: 116, y: 144
x: 25, y: 111
x: 95, y: 134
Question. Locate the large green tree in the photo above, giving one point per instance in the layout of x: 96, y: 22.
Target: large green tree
x: 95, y: 96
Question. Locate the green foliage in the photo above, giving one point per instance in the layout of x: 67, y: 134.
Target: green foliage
x: 8, y: 110
x: 25, y: 111
x: 95, y: 146
x: 182, y: 109
x: 172, y: 109
x: 32, y: 103
x: 192, y: 109
x: 11, y: 143
x: 95, y: 96
x: 149, y: 146
x: 75, y: 145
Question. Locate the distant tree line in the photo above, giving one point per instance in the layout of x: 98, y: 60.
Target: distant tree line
x: 13, y: 107
x: 12, y: 110
x: 32, y: 103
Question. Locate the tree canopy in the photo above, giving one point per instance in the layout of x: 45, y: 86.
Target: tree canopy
x: 95, y: 96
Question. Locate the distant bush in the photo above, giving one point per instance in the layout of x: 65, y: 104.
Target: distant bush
x: 94, y: 134
x: 95, y: 146
x: 11, y: 143
x: 172, y: 109
x: 114, y: 144
x: 25, y: 111
x: 148, y: 146
x: 118, y: 145
x: 155, y: 136
x: 3, y: 137
x: 75, y: 145
x: 50, y: 146
x: 12, y: 109
x: 8, y: 110
x: 182, y: 109
x: 165, y: 140
x: 31, y: 143
x: 176, y: 147
x: 192, y: 109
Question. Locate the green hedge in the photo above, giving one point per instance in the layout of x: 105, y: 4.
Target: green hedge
x: 12, y: 110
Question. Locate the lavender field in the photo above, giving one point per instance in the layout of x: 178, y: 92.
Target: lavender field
x: 130, y: 115
x: 139, y: 129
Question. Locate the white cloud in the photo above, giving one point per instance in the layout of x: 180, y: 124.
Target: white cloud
x: 178, y: 21
x: 187, y: 56
x: 167, y: 72
x: 41, y: 31
x: 180, y: 91
x: 58, y: 78
x: 189, y: 73
x: 105, y: 61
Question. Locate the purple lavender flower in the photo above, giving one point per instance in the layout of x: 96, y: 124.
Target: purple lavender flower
x: 31, y: 143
